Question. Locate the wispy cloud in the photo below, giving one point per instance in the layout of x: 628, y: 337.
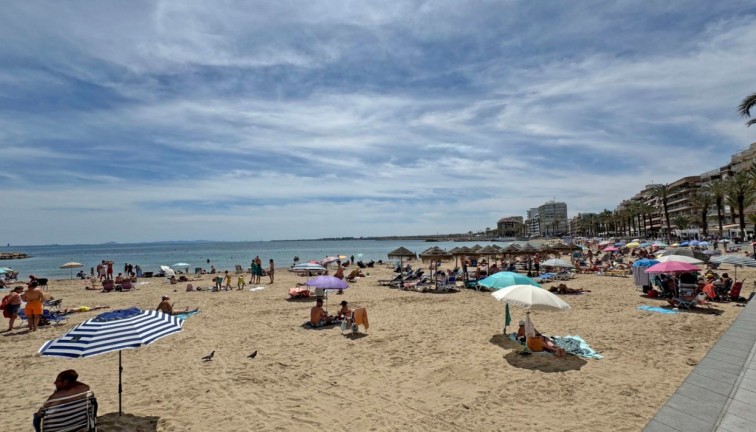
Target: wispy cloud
x: 185, y: 119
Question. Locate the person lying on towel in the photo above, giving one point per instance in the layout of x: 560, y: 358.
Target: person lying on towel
x: 318, y: 315
x: 535, y: 341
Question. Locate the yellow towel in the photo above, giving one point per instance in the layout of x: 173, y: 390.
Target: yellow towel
x: 361, y: 318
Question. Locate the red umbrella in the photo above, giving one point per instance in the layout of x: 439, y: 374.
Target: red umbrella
x: 672, y: 267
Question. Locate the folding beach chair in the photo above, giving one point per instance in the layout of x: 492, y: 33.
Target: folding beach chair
x: 73, y: 413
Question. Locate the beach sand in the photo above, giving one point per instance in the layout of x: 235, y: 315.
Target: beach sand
x: 429, y: 362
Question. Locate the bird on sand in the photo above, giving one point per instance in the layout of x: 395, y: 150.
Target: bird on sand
x: 208, y: 357
x: 253, y: 355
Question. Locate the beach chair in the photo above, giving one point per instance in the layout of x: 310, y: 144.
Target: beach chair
x: 126, y: 286
x: 71, y: 413
x: 53, y: 318
x: 450, y: 284
x: 699, y: 299
x: 353, y: 323
x: 197, y: 271
x: 54, y: 305
x: 108, y: 286
x: 239, y: 269
x: 735, y: 291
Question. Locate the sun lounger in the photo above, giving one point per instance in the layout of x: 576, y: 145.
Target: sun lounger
x: 239, y: 269
x: 299, y: 293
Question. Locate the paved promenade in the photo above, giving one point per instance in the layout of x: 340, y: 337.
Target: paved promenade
x: 720, y: 393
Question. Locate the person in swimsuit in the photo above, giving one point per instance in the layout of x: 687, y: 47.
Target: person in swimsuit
x: 34, y: 299
x: 318, y: 315
x: 271, y: 269
x: 14, y: 304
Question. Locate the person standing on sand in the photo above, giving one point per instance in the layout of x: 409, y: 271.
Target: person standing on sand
x: 110, y: 270
x: 228, y: 281
x: 13, y: 305
x: 271, y: 270
x: 34, y: 298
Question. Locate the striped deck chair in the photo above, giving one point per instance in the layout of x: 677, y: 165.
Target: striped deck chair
x: 74, y: 413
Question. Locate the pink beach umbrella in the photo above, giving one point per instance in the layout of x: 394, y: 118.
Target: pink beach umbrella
x: 610, y: 249
x: 672, y: 267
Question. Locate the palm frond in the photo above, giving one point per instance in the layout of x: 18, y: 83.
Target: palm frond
x: 751, y: 122
x: 745, y: 107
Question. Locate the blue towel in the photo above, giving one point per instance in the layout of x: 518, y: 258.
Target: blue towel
x: 577, y: 346
x: 657, y: 309
x: 186, y: 315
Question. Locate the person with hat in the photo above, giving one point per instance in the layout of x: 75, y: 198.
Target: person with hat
x: 344, y: 312
x: 12, y: 306
x: 166, y: 307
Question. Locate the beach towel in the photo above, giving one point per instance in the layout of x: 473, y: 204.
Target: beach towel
x: 185, y: 315
x: 257, y: 289
x: 577, y: 346
x: 361, y: 318
x: 657, y: 309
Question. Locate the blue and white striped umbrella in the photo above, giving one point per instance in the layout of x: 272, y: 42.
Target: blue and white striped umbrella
x: 113, y: 331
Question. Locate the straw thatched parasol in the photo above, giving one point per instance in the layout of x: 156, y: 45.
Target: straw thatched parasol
x: 401, y: 253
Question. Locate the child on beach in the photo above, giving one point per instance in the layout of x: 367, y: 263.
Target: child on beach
x: 240, y: 282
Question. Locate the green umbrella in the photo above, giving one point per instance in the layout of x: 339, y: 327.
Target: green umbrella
x: 507, y: 318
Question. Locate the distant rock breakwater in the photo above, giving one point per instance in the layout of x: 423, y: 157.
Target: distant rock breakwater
x: 12, y: 255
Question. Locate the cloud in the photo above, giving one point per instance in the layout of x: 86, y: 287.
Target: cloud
x: 202, y: 120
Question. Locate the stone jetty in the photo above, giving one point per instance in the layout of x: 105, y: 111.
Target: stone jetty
x: 12, y: 255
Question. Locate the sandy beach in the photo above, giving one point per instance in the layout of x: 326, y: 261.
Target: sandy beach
x: 429, y: 362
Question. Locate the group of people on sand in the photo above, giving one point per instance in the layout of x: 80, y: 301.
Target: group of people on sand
x: 319, y: 317
x: 257, y: 271
x: 34, y: 298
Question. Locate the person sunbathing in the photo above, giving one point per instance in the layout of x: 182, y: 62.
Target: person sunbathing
x: 68, y: 311
x: 562, y: 289
x: 544, y: 343
x: 318, y: 315
x: 166, y: 307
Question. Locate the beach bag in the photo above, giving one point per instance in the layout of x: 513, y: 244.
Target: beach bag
x: 5, y: 302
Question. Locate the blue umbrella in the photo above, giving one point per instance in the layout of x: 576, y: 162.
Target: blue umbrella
x: 644, y: 244
x: 704, y: 243
x: 683, y: 244
x: 504, y: 279
x: 645, y: 262
x: 113, y: 331
x: 620, y: 244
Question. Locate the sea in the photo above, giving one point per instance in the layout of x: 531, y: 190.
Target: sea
x: 45, y: 261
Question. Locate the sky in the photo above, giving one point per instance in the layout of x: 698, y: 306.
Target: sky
x: 262, y: 120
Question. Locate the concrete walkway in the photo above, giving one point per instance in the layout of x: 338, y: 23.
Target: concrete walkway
x: 720, y: 393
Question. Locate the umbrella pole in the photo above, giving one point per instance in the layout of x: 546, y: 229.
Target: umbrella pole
x: 120, y: 388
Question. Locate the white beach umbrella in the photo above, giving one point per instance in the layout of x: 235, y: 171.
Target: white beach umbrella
x: 71, y: 265
x: 530, y: 297
x: 734, y: 260
x: 679, y: 258
x: 168, y: 271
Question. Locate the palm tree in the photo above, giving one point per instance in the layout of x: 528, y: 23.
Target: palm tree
x: 718, y: 190
x: 745, y: 108
x: 662, y: 193
x: 682, y: 222
x: 740, y: 191
x: 701, y: 202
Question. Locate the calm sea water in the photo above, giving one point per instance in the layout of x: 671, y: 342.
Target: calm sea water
x: 46, y: 260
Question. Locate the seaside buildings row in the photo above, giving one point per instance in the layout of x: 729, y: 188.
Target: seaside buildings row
x: 643, y: 215
x: 691, y: 207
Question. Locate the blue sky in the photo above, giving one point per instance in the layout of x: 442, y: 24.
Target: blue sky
x: 252, y: 120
